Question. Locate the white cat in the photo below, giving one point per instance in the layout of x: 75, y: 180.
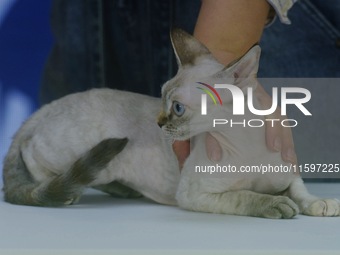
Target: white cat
x: 110, y: 140
x: 50, y: 161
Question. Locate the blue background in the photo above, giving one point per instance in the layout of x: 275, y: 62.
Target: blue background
x: 25, y: 42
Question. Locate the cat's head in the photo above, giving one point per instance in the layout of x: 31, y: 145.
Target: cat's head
x: 181, y: 116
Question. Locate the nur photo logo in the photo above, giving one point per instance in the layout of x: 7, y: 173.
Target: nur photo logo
x: 211, y: 91
x: 288, y: 96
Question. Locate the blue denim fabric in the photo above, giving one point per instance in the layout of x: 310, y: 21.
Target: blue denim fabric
x: 121, y: 44
x: 309, y: 47
x: 125, y: 44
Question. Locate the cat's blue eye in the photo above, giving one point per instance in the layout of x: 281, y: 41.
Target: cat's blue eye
x: 178, y: 108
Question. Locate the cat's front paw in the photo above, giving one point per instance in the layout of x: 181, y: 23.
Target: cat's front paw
x: 324, y: 208
x: 280, y: 207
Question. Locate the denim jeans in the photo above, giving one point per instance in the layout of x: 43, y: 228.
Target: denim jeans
x: 125, y: 44
x: 310, y: 47
x: 122, y: 44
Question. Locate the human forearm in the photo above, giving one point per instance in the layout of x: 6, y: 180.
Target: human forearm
x: 230, y: 27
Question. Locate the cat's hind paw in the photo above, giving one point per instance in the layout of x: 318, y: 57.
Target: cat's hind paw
x: 71, y: 201
x: 324, y: 208
x: 281, y: 207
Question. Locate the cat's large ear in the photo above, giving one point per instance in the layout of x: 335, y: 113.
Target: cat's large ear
x: 187, y: 48
x: 246, y: 66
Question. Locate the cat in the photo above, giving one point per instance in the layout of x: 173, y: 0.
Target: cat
x: 111, y: 140
x: 102, y: 138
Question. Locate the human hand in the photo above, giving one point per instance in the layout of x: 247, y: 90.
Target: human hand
x: 182, y: 151
x: 278, y: 138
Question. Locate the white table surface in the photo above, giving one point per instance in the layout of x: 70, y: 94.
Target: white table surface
x: 100, y: 224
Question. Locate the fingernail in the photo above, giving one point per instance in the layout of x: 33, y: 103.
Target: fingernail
x: 277, y: 144
x: 291, y: 156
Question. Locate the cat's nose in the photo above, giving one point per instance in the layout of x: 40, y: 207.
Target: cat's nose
x: 161, y: 122
x: 162, y: 119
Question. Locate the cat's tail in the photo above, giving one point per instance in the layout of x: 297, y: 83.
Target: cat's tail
x: 21, y: 188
